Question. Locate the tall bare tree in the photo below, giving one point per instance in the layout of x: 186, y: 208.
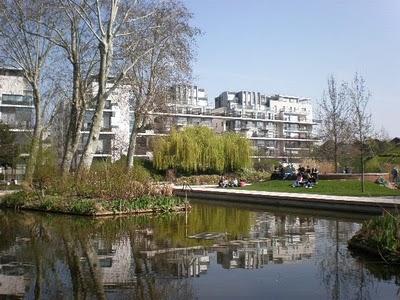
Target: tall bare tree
x: 22, y: 50
x: 79, y: 49
x: 170, y: 37
x: 335, y: 116
x: 361, y: 118
x: 110, y: 22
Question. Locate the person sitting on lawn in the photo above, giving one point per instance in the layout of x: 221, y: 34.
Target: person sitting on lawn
x: 299, y: 181
x: 235, y: 182
x: 314, y: 174
x: 308, y: 170
x: 223, y: 182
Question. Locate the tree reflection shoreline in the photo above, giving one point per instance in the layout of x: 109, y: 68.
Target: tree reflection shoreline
x: 147, y: 257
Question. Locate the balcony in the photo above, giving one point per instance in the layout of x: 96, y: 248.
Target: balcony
x: 17, y: 100
x: 19, y: 125
x: 102, y: 130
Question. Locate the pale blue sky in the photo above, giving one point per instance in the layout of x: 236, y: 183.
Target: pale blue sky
x: 290, y: 47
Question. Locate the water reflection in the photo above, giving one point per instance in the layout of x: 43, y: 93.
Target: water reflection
x: 47, y: 256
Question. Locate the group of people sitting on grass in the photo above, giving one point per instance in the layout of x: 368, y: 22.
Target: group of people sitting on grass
x: 306, y: 177
x: 225, y: 182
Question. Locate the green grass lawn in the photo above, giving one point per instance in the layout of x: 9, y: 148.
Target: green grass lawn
x: 326, y: 187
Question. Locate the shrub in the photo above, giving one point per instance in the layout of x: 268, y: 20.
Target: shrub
x: 254, y: 176
x: 381, y: 234
x: 265, y: 164
x: 84, y: 206
x: 46, y: 170
x: 14, y: 200
x: 198, y: 179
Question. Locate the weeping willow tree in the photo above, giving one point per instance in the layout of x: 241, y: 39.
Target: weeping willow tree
x: 199, y: 149
x: 237, y: 151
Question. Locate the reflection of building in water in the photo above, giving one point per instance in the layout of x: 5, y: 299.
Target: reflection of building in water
x: 243, y: 254
x: 272, y: 239
x: 13, y: 281
x: 115, y: 261
x: 179, y: 262
x: 118, y: 261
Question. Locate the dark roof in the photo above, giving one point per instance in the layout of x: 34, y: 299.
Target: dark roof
x: 396, y: 141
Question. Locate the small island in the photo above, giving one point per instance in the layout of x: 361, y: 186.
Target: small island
x: 106, y: 189
x: 380, y: 237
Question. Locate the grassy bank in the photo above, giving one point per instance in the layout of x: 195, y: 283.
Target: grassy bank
x: 326, y: 187
x: 90, y: 206
x: 379, y: 236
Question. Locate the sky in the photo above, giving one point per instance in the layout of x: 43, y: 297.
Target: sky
x: 290, y: 47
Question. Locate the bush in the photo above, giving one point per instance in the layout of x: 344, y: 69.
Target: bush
x: 146, y: 202
x: 254, y: 176
x: 381, y: 235
x: 198, y: 179
x: 46, y: 169
x: 107, y: 181
x: 84, y: 206
x: 265, y: 164
x: 14, y: 200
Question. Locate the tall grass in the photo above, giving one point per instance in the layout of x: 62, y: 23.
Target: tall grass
x: 381, y: 234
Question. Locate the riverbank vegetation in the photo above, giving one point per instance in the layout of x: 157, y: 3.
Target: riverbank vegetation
x: 107, y: 188
x: 92, y: 206
x: 379, y: 236
x: 326, y: 187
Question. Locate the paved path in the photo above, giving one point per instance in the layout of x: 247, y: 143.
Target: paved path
x: 348, y: 203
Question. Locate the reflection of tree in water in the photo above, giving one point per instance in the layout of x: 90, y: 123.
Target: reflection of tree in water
x: 380, y: 270
x: 67, y: 256
x: 344, y: 277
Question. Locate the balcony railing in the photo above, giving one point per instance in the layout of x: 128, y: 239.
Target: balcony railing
x: 103, y: 129
x: 23, y: 125
x: 17, y: 100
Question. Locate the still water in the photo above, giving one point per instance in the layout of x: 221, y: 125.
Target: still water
x: 217, y: 251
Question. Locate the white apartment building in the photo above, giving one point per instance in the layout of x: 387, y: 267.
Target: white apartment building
x: 279, y: 126
x: 16, y: 103
x: 17, y: 111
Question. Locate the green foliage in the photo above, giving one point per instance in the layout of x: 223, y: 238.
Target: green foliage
x: 254, y: 176
x: 13, y: 200
x: 8, y: 148
x: 381, y: 234
x: 146, y: 203
x: 200, y: 149
x: 198, y: 179
x: 86, y: 206
x: 107, y: 181
x: 46, y: 167
x: 83, y: 207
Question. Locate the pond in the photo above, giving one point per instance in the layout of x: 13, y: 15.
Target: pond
x: 217, y: 251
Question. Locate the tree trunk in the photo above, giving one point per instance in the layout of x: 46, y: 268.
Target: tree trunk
x: 132, y: 146
x: 33, y: 155
x: 362, y: 168
x: 78, y: 103
x: 94, y: 269
x: 91, y: 145
x: 74, y: 265
x: 336, y: 155
x: 75, y: 125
